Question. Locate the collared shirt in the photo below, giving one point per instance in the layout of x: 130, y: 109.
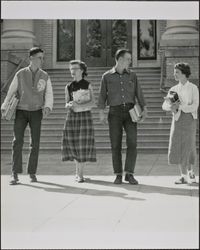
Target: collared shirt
x: 37, y: 84
x: 189, y: 99
x: 117, y: 89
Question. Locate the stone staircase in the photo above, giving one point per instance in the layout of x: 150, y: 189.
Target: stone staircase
x: 153, y: 134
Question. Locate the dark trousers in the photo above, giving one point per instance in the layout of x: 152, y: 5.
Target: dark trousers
x: 119, y: 118
x: 22, y: 119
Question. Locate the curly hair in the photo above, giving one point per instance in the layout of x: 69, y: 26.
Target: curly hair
x: 82, y: 66
x: 184, y: 68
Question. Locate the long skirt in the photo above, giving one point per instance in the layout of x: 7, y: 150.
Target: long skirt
x: 78, y: 141
x: 182, y: 142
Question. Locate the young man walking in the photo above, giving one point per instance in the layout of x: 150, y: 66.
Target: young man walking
x: 33, y: 86
x: 119, y: 89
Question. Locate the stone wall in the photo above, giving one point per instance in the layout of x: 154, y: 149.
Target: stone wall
x: 43, y: 30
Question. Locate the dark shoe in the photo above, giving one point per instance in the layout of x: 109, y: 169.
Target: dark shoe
x: 130, y: 178
x: 80, y: 180
x: 33, y: 178
x: 181, y: 180
x: 14, y: 179
x: 118, y: 179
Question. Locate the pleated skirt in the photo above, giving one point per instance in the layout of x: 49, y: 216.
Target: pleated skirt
x: 78, y: 142
x: 182, y: 142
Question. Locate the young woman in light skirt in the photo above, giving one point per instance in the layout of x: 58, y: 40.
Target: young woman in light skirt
x: 182, y: 142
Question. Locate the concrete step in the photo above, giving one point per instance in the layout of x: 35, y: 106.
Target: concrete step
x: 99, y: 72
x: 155, y: 91
x: 49, y: 134
x: 57, y: 143
x: 53, y: 118
x: 96, y: 85
x: 61, y: 96
x: 104, y: 150
x: 144, y: 129
x: 56, y: 139
x: 99, y: 75
x: 157, y: 100
x: 60, y: 125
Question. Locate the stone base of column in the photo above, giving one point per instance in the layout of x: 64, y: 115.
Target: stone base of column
x: 180, y: 49
x: 17, y: 43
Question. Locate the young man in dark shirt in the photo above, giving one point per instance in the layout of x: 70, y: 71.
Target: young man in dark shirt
x: 119, y: 90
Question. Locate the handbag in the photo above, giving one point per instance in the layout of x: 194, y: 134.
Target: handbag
x: 82, y: 96
x: 135, y: 112
x: 11, y: 108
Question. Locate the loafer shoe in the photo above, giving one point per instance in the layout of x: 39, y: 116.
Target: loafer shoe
x: 33, y: 178
x: 80, y: 180
x: 14, y: 179
x: 191, y: 177
x: 130, y: 178
x: 181, y: 180
x: 118, y: 179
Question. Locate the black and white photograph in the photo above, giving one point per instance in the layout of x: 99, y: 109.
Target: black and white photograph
x: 99, y: 125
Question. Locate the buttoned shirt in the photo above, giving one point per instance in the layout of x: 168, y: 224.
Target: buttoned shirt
x: 189, y: 99
x: 117, y: 89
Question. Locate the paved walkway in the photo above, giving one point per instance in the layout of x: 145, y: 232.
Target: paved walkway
x: 59, y: 213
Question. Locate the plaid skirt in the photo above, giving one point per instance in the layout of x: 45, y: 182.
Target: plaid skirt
x: 78, y: 141
x: 182, y: 143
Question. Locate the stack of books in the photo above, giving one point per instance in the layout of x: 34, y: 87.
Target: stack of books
x: 11, y: 107
x: 135, y: 112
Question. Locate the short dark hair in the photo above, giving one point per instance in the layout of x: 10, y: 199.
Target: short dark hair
x: 35, y: 50
x: 120, y: 53
x: 82, y: 65
x: 184, y: 68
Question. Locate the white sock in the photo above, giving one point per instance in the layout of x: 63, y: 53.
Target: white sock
x: 190, y: 171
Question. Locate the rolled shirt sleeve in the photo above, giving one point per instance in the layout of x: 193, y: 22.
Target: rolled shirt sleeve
x: 102, y: 94
x: 11, y: 91
x: 139, y: 93
x: 49, y: 95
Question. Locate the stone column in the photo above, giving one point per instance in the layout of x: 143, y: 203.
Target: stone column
x: 17, y: 38
x: 180, y: 43
x: 17, y: 35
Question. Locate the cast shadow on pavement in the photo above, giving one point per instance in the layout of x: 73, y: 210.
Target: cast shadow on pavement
x: 58, y: 188
x: 144, y: 188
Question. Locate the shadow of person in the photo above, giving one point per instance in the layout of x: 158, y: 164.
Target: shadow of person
x: 58, y: 188
x: 143, y: 188
x: 169, y: 190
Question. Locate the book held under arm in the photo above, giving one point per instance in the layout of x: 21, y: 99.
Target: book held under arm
x: 82, y: 96
x: 135, y: 112
x: 11, y: 108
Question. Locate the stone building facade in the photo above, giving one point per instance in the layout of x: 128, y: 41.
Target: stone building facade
x: 154, y: 43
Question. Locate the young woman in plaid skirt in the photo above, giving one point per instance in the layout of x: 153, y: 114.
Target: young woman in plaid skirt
x: 78, y: 143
